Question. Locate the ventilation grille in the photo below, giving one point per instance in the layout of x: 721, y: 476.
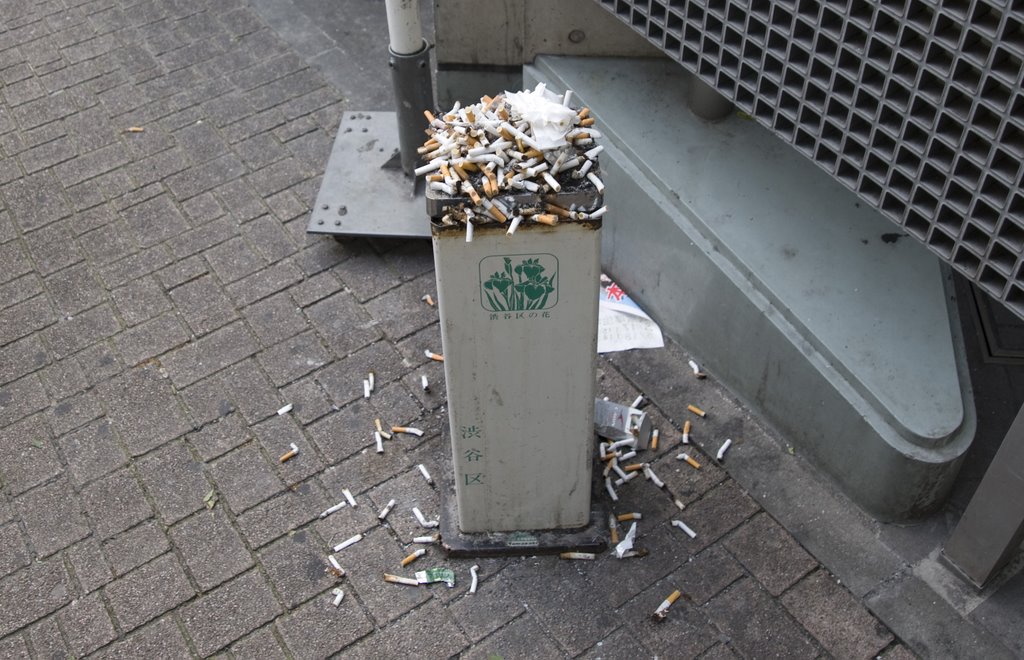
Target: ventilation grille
x: 915, y: 106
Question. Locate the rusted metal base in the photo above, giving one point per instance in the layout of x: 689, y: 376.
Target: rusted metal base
x: 592, y: 538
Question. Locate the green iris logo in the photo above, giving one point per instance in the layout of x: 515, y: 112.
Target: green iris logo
x: 528, y: 285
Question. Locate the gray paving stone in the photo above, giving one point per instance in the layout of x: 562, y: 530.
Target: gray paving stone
x: 254, y: 395
x: 143, y: 410
x: 182, y: 271
x: 209, y: 354
x: 770, y: 553
x: 490, y: 608
x: 707, y: 574
x: 135, y: 266
x: 285, y: 206
x: 202, y: 209
x: 21, y: 288
x: 115, y: 503
x: 276, y: 435
x: 248, y: 597
x: 275, y: 319
x: 758, y: 625
x: 314, y: 288
x: 308, y: 399
x: 220, y: 437
x: 318, y: 629
x: 620, y: 581
x: 264, y: 282
x: 342, y: 322
x: 88, y: 565
x: 718, y: 511
x: 203, y: 305
x: 151, y: 338
x: 14, y: 647
x: 154, y: 221
x: 71, y: 335
x: 835, y: 617
x: 199, y: 179
x: 14, y: 554
x: 269, y: 238
x: 212, y: 550
x: 200, y: 141
x: 429, y: 632
x: 293, y: 358
x: 39, y: 589
x: 91, y: 452
x: 367, y: 275
x: 345, y: 432
x: 241, y: 201
x: 74, y: 289
x: 148, y: 591
x: 20, y: 399
x: 86, y: 625
x: 295, y: 566
x: 108, y: 243
x: 51, y: 246
x: 686, y: 633
x: 522, y: 636
x: 233, y: 260
x: 281, y: 514
x: 202, y: 237
x: 51, y: 517
x: 133, y: 548
x: 343, y: 380
x: 91, y: 165
x: 720, y: 652
x: 160, y: 639
x: 400, y: 311
x: 21, y: 357
x: 378, y: 553
x: 174, y: 480
x: 15, y: 260
x: 158, y: 166
x: 140, y: 300
x: 620, y: 645
x: 25, y: 318
x: 260, y: 644
x: 244, y: 478
x: 28, y: 455
x: 73, y: 412
x: 100, y: 363
x: 35, y: 200
x: 47, y: 640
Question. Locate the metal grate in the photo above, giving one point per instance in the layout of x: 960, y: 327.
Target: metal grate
x: 916, y: 106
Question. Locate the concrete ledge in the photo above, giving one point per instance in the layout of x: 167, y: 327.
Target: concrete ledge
x: 816, y: 312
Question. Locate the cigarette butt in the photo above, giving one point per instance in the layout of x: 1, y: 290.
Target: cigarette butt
x: 134, y: 129
x: 347, y: 542
x: 468, y: 188
x: 284, y: 409
x: 473, y: 577
x: 696, y: 411
x: 649, y: 474
x: 379, y: 440
x: 411, y: 430
x: 637, y: 402
x: 550, y: 180
x: 366, y: 389
x: 371, y: 377
x: 724, y: 448
x: 686, y: 457
x: 335, y: 566
x: 348, y: 496
x: 589, y: 121
x: 679, y: 504
x: 681, y: 525
x: 427, y: 298
x: 398, y: 579
x: 655, y: 434
x: 583, y: 113
x: 339, y: 595
x: 514, y: 225
x: 577, y: 555
x: 434, y: 356
x: 378, y: 425
x: 460, y: 172
x: 413, y: 556
x: 386, y: 510
x: 549, y: 219
x: 429, y: 115
x: 433, y: 538
x: 696, y: 370
x: 424, y: 383
x: 557, y: 210
x: 613, y: 528
x: 662, y: 611
x: 469, y: 231
x: 686, y: 432
x: 290, y: 454
x: 594, y: 179
x: 633, y: 467
x: 422, y: 519
x: 623, y: 517
x: 426, y: 475
x: 337, y: 507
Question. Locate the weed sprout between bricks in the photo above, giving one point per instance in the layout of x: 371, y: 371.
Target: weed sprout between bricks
x: 517, y: 148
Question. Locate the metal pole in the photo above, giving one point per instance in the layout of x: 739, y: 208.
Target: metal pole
x: 409, y: 59
x: 992, y: 528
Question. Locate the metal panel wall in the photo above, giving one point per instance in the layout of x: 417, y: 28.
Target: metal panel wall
x: 916, y: 106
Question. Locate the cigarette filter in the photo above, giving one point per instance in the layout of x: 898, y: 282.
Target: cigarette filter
x: 290, y: 454
x: 347, y: 542
x: 686, y: 432
x: 366, y: 389
x: 724, y: 448
x: 285, y: 409
x: 348, y: 496
x: 655, y: 434
x: 613, y: 528
x: 339, y: 595
x: 433, y: 538
x: 686, y: 457
x: 386, y: 510
x: 398, y: 579
x: 623, y: 517
x: 577, y: 555
x: 424, y: 383
x: 662, y: 611
x: 434, y: 356
x: 474, y: 578
x: 426, y: 475
x: 681, y: 525
x: 696, y: 411
x: 332, y: 509
x: 335, y: 566
x: 380, y: 442
x: 637, y: 402
x: 413, y: 556
x: 411, y: 430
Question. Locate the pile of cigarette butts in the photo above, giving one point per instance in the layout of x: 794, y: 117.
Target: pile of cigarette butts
x: 501, y: 160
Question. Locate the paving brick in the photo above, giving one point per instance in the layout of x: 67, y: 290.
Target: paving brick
x: 86, y: 625
x: 233, y: 260
x: 211, y: 548
x: 174, y: 480
x: 295, y: 566
x: 159, y: 166
x: 281, y: 514
x: 620, y: 645
x: 318, y: 629
x: 367, y: 275
x: 14, y: 259
x: 14, y: 554
x: 244, y: 478
x: 151, y: 338
x: 249, y: 599
x: 140, y: 300
x: 88, y: 565
x: 203, y: 305
x: 522, y: 636
x: 21, y: 357
x: 836, y: 618
x: 412, y: 490
x: 71, y: 335
x: 210, y: 353
x: 293, y: 358
x: 135, y: 266
x: 135, y: 547
x: 39, y: 589
x: 20, y: 399
x: 720, y: 510
x: 757, y: 625
x: 264, y: 282
x: 707, y: 574
x: 14, y: 647
x: 221, y: 436
x: 201, y: 142
x: 241, y: 201
x: 154, y: 221
x: 148, y: 591
x: 182, y: 271
x: 160, y: 639
x: 47, y: 155
x: 20, y: 289
x: 42, y: 111
x: 253, y: 394
x: 24, y: 318
x: 115, y: 503
x: 74, y: 289
x: 275, y: 319
x: 276, y: 435
x: 400, y: 311
x: 345, y: 432
x: 143, y: 410
x: 429, y: 632
x: 343, y: 380
x: 91, y: 165
x: 322, y: 253
x: 343, y: 323
x: 260, y: 644
x: 379, y: 553
x: 46, y: 639
x: 368, y: 468
x: 309, y: 401
x: 490, y: 608
x: 770, y: 553
x: 199, y: 179
x: 28, y: 456
x: 91, y: 452
x: 260, y: 150
x: 620, y: 581
x: 73, y: 412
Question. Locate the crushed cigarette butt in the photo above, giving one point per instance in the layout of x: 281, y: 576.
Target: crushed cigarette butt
x: 662, y: 611
x: 348, y: 496
x: 422, y: 519
x: 290, y: 454
x: 473, y: 577
x: 284, y: 409
x: 681, y: 525
x: 339, y: 595
x: 686, y: 457
x: 696, y: 370
x: 411, y: 430
x: 386, y: 510
x: 427, y: 298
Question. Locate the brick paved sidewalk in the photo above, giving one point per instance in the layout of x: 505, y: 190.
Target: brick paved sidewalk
x: 160, y: 301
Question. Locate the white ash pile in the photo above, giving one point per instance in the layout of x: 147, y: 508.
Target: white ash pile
x: 506, y: 159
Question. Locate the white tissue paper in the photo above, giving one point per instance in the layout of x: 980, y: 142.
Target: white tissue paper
x: 549, y: 120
